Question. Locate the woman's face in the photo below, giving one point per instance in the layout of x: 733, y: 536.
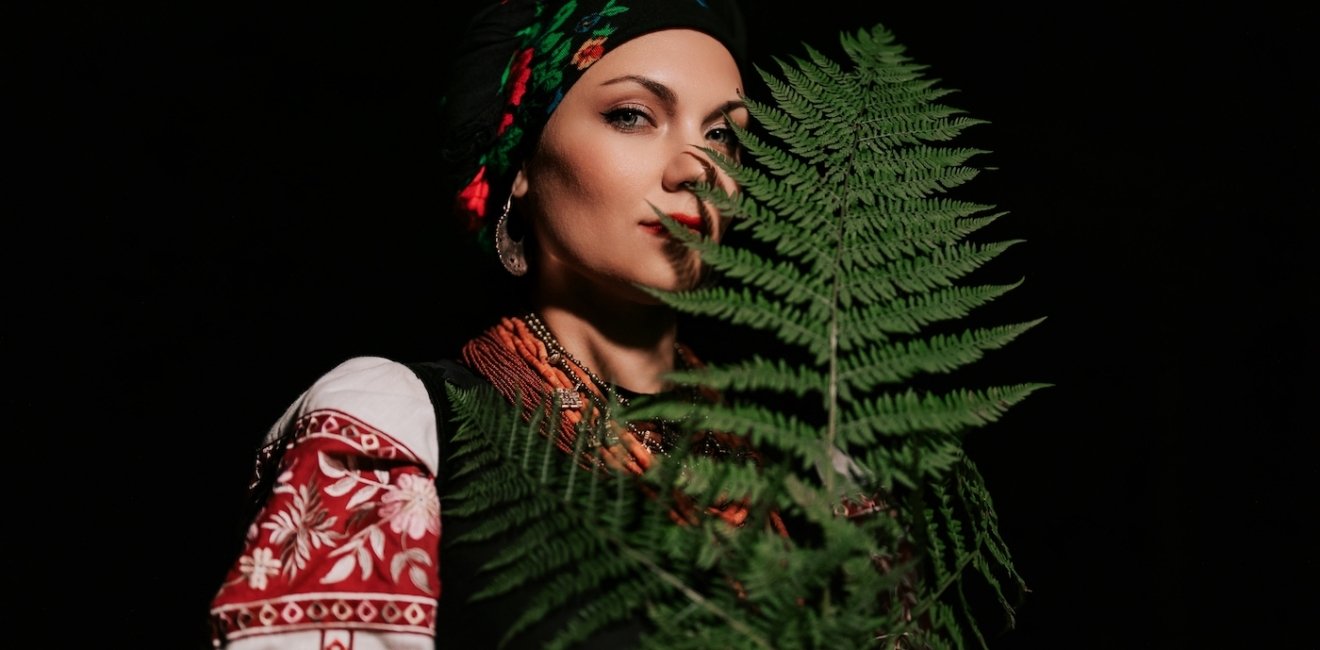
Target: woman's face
x: 625, y: 138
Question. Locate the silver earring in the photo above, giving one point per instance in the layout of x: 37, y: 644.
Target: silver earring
x: 510, y: 251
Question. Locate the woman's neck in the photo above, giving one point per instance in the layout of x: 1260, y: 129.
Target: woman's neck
x: 630, y: 345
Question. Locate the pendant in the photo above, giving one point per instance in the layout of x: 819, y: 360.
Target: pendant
x: 569, y: 399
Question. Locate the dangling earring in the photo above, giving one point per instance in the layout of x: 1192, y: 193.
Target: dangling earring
x: 510, y: 251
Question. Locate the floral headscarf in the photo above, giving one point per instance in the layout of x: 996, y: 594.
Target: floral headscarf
x: 518, y: 59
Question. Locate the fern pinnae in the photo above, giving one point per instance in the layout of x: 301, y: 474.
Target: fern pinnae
x: 783, y: 181
x: 497, y: 523
x: 824, y: 70
x: 913, y: 184
x: 897, y: 108
x: 753, y: 374
x: 800, y: 102
x: 971, y: 488
x: 712, y: 481
x: 526, y: 456
x: 620, y: 500
x: 877, y: 52
x: 516, y: 426
x: 579, y: 445
x: 942, y: 268
x: 796, y: 165
x: 780, y: 278
x: 841, y: 104
x: 911, y: 411
x: 877, y: 237
x: 780, y: 124
x: 538, y: 552
x: 873, y: 365
x: 751, y: 309
x: 544, y: 548
x: 548, y: 449
x: 916, y: 129
x: 936, y: 552
x: 790, y: 237
x: 909, y: 314
x: 786, y: 200
x: 765, y: 427
x: 487, y: 492
x: 471, y: 459
x: 921, y: 157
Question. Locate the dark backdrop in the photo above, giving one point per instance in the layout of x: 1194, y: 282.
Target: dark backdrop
x: 223, y: 200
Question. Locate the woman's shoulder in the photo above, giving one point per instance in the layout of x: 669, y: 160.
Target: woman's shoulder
x: 368, y: 385
x: 381, y: 397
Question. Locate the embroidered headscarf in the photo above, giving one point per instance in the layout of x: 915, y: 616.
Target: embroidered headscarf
x: 518, y: 59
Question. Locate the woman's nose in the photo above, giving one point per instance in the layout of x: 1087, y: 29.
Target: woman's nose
x: 687, y: 168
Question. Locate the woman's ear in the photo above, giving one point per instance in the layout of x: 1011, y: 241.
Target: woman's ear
x: 520, y: 183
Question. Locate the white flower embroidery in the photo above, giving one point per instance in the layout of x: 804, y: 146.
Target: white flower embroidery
x: 307, y: 524
x: 412, y: 507
x: 258, y: 566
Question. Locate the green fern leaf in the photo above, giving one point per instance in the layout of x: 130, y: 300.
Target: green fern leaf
x: 858, y: 262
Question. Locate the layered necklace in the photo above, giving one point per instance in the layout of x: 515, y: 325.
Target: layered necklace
x: 659, y: 436
x: 558, y: 356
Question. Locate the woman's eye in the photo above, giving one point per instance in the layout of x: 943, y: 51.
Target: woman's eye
x: 725, y: 138
x: 626, y: 119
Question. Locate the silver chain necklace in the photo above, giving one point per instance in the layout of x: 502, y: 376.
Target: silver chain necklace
x: 557, y: 355
x: 570, y: 399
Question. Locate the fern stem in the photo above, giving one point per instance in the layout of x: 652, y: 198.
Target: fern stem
x: 545, y: 458
x: 591, y: 489
x: 832, y: 388
x: 618, y: 501
x: 527, y: 449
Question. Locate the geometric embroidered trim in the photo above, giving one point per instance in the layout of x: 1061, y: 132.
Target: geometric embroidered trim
x: 292, y: 613
x: 351, y: 431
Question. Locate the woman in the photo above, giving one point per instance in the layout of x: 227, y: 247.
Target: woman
x: 601, y: 116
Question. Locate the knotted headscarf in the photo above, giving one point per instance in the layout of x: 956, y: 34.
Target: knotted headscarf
x: 518, y: 59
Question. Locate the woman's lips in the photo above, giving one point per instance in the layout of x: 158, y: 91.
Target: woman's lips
x: 692, y: 221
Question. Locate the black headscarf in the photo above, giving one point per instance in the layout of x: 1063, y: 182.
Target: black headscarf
x: 517, y: 60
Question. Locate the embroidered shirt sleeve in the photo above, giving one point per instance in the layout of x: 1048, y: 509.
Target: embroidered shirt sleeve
x: 344, y: 550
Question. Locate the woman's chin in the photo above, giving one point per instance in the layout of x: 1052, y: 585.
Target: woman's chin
x: 672, y: 281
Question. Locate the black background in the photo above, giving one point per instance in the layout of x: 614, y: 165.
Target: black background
x: 223, y: 200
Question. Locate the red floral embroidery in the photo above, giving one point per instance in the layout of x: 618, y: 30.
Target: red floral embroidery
x: 472, y: 200
x: 590, y: 52
x: 348, y: 539
x: 519, y: 73
x: 505, y: 122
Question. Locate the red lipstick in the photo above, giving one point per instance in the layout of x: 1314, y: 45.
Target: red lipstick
x: 693, y: 222
x: 690, y: 220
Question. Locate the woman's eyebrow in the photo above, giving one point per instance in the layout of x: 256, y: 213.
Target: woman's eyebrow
x: 666, y: 94
x: 726, y: 108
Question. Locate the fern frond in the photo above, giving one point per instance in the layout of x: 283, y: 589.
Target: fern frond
x: 857, y: 252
